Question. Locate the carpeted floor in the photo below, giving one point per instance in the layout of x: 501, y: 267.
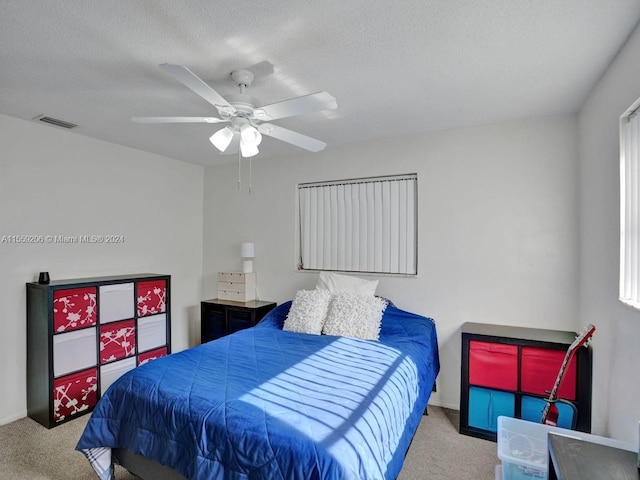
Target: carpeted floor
x: 439, y: 452
x: 29, y: 451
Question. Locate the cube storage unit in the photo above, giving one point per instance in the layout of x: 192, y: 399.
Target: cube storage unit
x: 523, y: 450
x: 83, y: 334
x: 509, y: 371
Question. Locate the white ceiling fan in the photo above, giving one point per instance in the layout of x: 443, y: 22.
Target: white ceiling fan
x: 245, y: 114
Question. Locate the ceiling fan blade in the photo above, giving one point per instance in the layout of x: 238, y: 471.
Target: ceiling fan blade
x: 294, y: 138
x: 191, y: 80
x: 261, y: 69
x: 315, y: 102
x: 177, y: 119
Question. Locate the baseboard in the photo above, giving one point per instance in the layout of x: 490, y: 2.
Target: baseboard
x: 450, y: 406
x: 13, y: 418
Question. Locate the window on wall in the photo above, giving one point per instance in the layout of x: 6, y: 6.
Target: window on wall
x: 359, y: 225
x: 630, y: 207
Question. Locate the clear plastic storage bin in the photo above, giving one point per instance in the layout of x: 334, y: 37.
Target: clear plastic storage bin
x: 522, y: 447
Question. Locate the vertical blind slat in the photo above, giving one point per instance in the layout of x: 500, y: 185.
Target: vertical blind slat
x: 628, y: 215
x: 319, y: 237
x: 378, y: 228
x: 333, y: 226
x: 364, y: 230
x: 403, y: 240
x: 624, y: 271
x: 411, y: 226
x: 394, y: 227
x: 348, y: 228
x: 326, y: 227
x: 371, y: 229
x: 313, y: 230
x: 357, y: 228
x: 341, y: 233
x: 635, y: 138
x: 631, y: 201
x: 385, y: 200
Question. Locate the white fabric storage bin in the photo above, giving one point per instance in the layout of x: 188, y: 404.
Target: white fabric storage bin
x: 112, y: 371
x: 117, y: 302
x: 74, y: 350
x: 152, y: 332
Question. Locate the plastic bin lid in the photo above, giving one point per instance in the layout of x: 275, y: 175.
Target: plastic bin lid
x: 525, y: 443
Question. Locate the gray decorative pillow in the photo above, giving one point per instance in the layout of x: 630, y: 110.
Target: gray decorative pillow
x: 308, y: 311
x: 354, y: 315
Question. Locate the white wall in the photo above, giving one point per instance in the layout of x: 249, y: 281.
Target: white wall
x: 498, y: 225
x: 54, y: 182
x: 616, y: 382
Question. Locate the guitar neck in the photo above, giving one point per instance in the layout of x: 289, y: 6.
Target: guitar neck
x: 553, y: 395
x: 556, y: 386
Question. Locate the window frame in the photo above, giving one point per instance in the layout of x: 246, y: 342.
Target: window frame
x: 629, y: 286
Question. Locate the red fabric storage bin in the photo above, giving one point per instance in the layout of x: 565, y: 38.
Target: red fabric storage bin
x: 152, y: 355
x: 74, y: 308
x: 117, y: 340
x: 493, y: 365
x: 151, y: 297
x: 74, y: 393
x: 540, y: 368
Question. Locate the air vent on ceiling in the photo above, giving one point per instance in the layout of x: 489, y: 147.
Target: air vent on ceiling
x: 55, y: 121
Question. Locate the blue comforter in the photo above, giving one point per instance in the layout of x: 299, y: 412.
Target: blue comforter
x: 268, y: 404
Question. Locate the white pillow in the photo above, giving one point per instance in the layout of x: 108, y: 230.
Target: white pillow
x: 334, y: 282
x: 308, y: 311
x: 354, y: 315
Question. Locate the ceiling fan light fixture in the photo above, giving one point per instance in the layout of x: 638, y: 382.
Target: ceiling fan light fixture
x: 222, y: 138
x: 250, y: 135
x: 248, y: 150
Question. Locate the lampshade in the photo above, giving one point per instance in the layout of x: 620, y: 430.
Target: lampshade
x: 248, y: 150
x: 250, y: 135
x: 246, y: 250
x: 222, y: 138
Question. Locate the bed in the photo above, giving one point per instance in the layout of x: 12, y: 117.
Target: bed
x: 270, y: 404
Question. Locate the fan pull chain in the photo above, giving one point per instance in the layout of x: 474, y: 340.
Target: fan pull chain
x: 239, y: 172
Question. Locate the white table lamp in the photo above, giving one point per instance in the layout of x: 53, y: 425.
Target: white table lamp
x: 247, y: 252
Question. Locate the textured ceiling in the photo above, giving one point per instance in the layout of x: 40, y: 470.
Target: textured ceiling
x: 396, y: 68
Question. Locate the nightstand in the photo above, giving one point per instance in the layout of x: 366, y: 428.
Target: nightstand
x: 222, y: 317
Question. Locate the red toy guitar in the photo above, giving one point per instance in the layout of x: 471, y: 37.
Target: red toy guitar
x: 550, y: 412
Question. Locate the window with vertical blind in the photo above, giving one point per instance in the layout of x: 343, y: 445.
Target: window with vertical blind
x: 630, y: 207
x: 359, y: 225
